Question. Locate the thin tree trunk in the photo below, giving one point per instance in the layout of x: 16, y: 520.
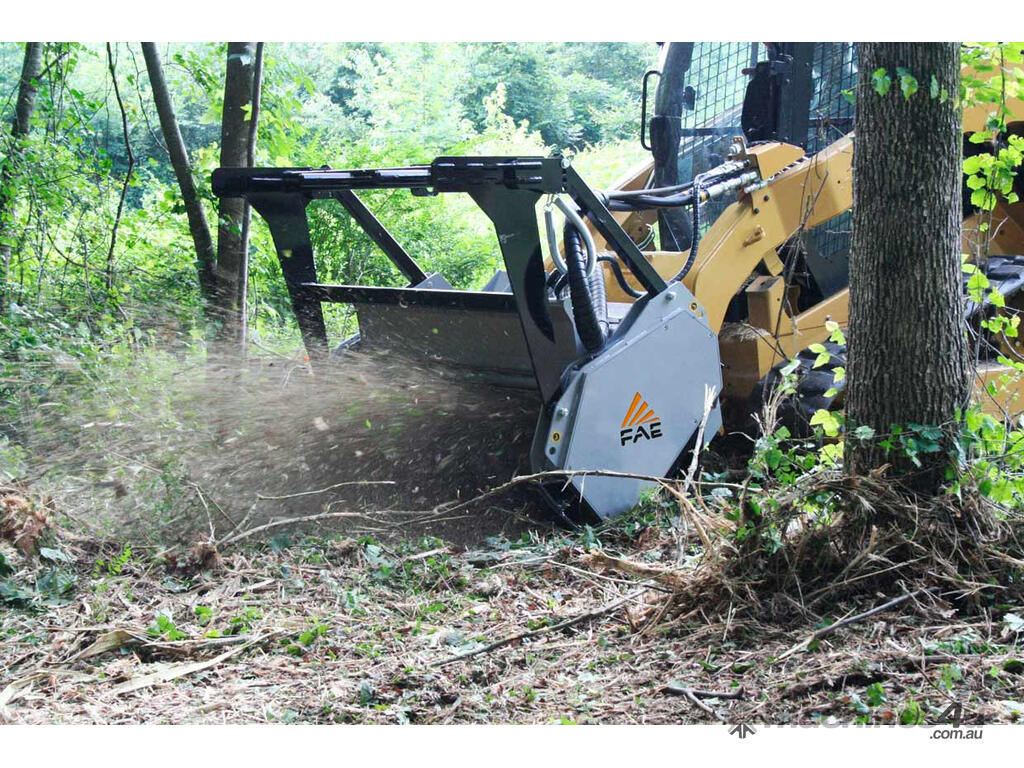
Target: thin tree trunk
x: 254, y: 118
x: 907, y: 347
x: 234, y: 153
x: 206, y: 257
x: 127, y: 176
x: 28, y: 88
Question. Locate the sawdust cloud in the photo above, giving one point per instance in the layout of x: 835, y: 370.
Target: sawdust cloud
x: 204, y: 447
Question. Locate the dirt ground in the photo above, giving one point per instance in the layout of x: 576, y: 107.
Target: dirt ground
x: 530, y: 625
x: 152, y: 570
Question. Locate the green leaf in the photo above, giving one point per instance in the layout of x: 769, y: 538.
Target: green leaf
x: 789, y: 367
x: 835, y: 332
x: 972, y: 164
x: 908, y: 83
x: 55, y: 584
x: 827, y: 421
x: 54, y: 555
x: 864, y: 432
x: 881, y: 81
x: 875, y: 695
x: 933, y: 88
x: 976, y: 285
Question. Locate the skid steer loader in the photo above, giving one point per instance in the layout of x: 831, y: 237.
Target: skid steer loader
x: 635, y: 352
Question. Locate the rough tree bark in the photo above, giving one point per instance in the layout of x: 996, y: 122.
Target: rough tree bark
x: 234, y: 153
x: 206, y: 256
x: 907, y: 348
x: 28, y: 88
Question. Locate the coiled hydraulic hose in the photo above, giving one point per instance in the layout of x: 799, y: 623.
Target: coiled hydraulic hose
x: 698, y: 182
x: 571, y: 216
x: 586, y: 292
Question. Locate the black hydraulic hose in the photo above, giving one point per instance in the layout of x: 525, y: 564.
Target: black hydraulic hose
x: 589, y: 303
x: 613, y: 262
x: 698, y: 183
x: 639, y: 200
x: 621, y: 194
x: 645, y: 203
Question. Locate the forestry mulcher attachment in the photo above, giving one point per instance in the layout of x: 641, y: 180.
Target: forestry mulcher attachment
x: 634, y: 351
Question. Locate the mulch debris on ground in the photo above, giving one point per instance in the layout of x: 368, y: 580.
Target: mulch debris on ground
x: 543, y: 626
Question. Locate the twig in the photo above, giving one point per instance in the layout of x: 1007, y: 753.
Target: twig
x: 605, y: 609
x: 681, y: 690
x: 261, y: 497
x: 291, y: 521
x: 694, y: 696
x: 701, y: 705
x: 803, y: 644
x: 709, y: 402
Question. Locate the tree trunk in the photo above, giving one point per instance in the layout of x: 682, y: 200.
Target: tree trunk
x: 234, y: 153
x: 254, y: 118
x: 28, y: 88
x: 206, y: 256
x: 907, y: 346
x: 673, y: 224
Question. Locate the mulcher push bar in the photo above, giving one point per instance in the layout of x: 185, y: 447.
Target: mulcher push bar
x: 507, y: 189
x: 445, y: 174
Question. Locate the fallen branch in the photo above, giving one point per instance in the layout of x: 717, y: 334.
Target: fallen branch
x: 295, y: 521
x: 694, y: 697
x: 605, y: 609
x: 824, y: 631
x: 175, y: 671
x: 681, y: 690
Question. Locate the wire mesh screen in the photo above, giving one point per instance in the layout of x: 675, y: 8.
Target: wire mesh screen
x: 834, y: 74
x: 716, y: 85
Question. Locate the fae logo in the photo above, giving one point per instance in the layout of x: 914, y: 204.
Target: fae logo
x: 640, y: 422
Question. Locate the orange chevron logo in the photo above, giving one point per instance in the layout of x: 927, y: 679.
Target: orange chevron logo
x: 640, y: 422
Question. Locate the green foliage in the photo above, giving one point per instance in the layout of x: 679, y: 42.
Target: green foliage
x: 114, y: 566
x: 163, y: 628
x: 992, y: 455
x: 912, y: 713
x: 573, y: 94
x: 350, y: 105
x: 874, y: 695
x: 990, y: 176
